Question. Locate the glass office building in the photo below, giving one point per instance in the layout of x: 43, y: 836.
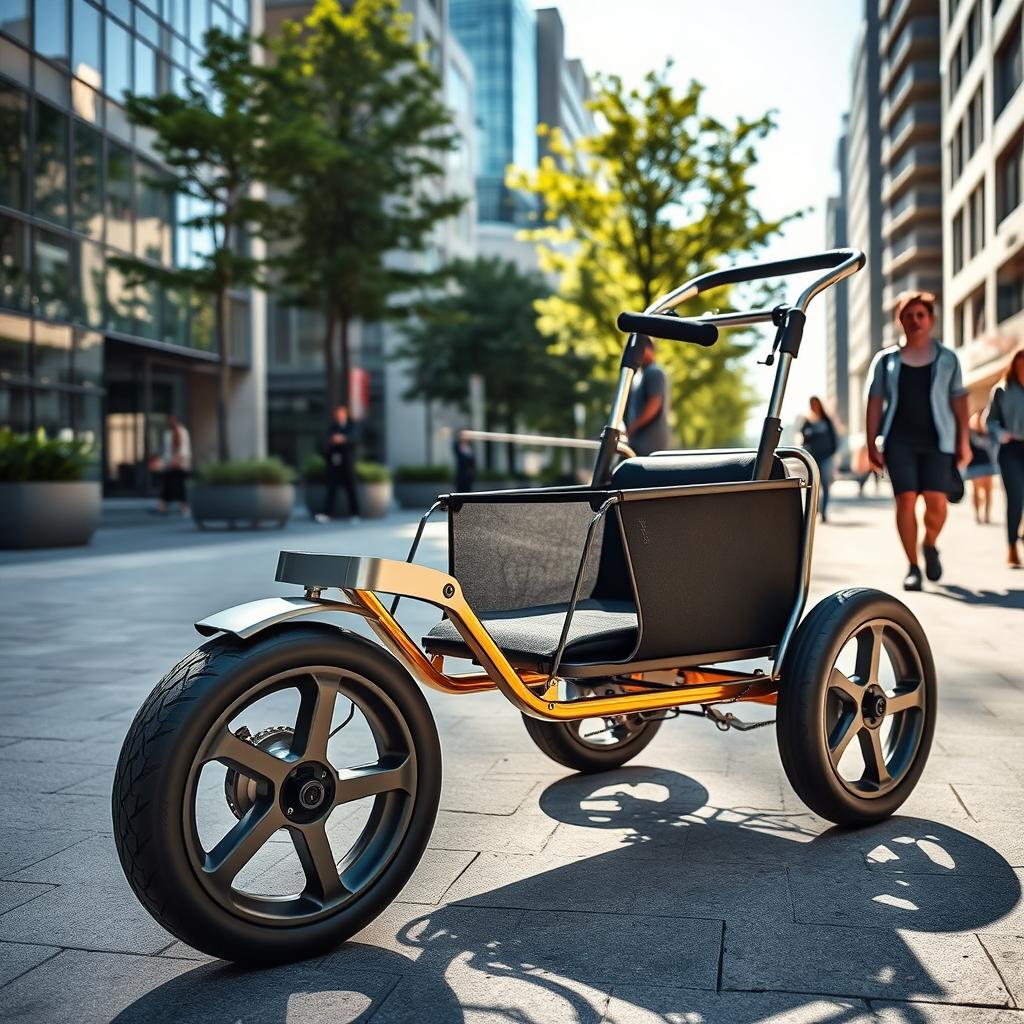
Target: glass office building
x: 78, y: 185
x: 500, y: 37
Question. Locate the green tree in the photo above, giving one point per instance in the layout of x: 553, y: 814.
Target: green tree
x: 487, y: 326
x: 661, y: 193
x: 360, y: 136
x: 213, y: 143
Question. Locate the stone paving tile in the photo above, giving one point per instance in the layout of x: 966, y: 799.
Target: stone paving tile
x: 20, y: 847
x: 1007, y: 953
x: 655, y: 1004
x: 523, y: 832
x: 930, y: 1013
x: 30, y: 777
x: 74, y: 813
x: 880, y: 964
x: 499, y: 796
x: 93, y: 858
x: 992, y: 802
x: 14, y: 894
x: 84, y: 987
x: 84, y: 752
x: 97, y: 917
x: 17, y: 959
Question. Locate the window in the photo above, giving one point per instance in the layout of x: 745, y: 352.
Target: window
x: 1007, y: 71
x: 145, y: 69
x: 976, y: 122
x: 153, y: 232
x: 15, y: 335
x: 88, y: 358
x: 1008, y: 179
x: 52, y: 258
x: 87, y: 207
x: 1009, y: 296
x: 51, y: 355
x: 198, y: 23
x: 976, y: 205
x: 51, y: 23
x: 86, y: 57
x: 118, y: 77
x: 120, y: 302
x: 15, y: 20
x: 91, y: 288
x: 120, y: 217
x: 13, y: 147
x: 51, y: 160
x: 958, y: 242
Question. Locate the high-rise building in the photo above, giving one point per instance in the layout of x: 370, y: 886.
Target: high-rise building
x: 562, y: 86
x: 983, y: 217
x: 911, y: 153
x: 864, y: 212
x: 837, y: 298
x: 77, y: 187
x: 394, y: 429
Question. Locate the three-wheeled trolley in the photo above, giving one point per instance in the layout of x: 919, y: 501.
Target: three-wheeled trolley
x: 598, y: 611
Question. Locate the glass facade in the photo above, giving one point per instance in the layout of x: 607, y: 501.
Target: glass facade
x: 500, y: 39
x: 77, y: 188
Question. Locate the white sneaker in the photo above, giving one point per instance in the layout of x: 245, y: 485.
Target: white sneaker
x: 322, y: 517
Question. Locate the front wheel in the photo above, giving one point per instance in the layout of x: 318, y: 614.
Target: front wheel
x: 254, y: 840
x: 856, y: 707
x: 594, y: 744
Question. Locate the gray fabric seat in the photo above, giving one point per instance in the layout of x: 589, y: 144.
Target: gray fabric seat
x: 601, y: 630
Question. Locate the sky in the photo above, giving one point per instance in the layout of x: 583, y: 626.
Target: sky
x: 792, y: 56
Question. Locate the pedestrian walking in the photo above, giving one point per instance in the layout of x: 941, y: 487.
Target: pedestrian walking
x: 982, y: 468
x: 465, y: 462
x: 917, y: 428
x: 1005, y: 422
x: 647, y: 409
x: 342, y: 448
x: 176, y: 463
x: 818, y: 437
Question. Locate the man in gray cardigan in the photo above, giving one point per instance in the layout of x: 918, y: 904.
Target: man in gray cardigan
x: 916, y: 427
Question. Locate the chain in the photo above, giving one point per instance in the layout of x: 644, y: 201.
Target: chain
x: 730, y: 721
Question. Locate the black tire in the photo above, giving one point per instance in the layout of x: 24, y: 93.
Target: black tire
x: 156, y: 778
x: 567, y: 743
x: 822, y: 710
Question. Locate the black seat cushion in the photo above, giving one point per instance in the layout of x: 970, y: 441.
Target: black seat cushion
x: 601, y: 630
x: 677, y: 469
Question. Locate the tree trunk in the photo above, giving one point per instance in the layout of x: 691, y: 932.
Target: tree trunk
x: 224, y: 375
x: 346, y: 362
x: 330, y: 375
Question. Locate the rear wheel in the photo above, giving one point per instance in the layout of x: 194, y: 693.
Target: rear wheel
x: 254, y: 840
x: 594, y: 744
x: 856, y: 707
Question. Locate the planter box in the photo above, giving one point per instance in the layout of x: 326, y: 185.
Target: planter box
x: 374, y: 499
x: 241, y: 504
x: 421, y: 495
x: 48, y: 513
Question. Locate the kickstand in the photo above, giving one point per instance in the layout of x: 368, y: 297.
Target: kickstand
x: 730, y: 721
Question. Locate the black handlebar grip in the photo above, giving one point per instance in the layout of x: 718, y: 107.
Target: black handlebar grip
x: 671, y: 328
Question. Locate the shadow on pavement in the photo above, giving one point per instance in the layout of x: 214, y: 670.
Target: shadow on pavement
x: 997, y: 598
x: 546, y: 947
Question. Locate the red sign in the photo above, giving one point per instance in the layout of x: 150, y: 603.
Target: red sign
x: 358, y: 392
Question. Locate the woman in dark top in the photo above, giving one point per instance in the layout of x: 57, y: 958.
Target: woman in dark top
x: 465, y: 462
x: 982, y: 469
x: 818, y: 436
x: 916, y: 425
x: 1006, y: 426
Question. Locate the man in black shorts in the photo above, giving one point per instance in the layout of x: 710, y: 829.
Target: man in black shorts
x: 917, y: 409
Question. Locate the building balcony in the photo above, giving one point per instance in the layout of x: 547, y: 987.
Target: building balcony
x: 918, y: 39
x: 919, y: 80
x: 920, y: 122
x: 919, y: 163
x: 911, y: 207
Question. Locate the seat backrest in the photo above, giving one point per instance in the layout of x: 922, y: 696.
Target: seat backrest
x: 676, y: 469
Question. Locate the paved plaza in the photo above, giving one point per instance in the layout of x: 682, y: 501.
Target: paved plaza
x: 689, y: 886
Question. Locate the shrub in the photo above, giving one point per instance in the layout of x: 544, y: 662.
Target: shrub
x: 26, y: 457
x: 424, y: 474
x: 246, y: 471
x: 314, y: 471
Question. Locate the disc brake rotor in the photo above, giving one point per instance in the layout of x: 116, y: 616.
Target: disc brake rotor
x: 240, y: 790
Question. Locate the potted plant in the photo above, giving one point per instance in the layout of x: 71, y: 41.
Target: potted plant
x: 373, y: 478
x: 419, y: 486
x: 44, y: 502
x: 243, y: 492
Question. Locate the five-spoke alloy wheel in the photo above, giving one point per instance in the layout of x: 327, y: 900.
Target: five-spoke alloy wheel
x: 856, y: 708
x: 282, y: 842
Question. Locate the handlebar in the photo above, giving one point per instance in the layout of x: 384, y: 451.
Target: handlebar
x: 672, y: 328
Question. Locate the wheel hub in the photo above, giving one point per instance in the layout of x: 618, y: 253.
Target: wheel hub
x: 240, y: 791
x: 874, y: 706
x: 308, y: 792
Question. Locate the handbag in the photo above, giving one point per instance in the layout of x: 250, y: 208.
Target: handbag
x: 955, y: 487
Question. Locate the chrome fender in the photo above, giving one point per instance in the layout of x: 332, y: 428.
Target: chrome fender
x: 246, y: 620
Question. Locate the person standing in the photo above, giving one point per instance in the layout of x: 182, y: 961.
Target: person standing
x: 917, y: 408
x: 342, y: 440
x: 981, y: 470
x: 647, y: 409
x: 465, y: 462
x: 176, y: 461
x: 818, y: 436
x: 1006, y: 426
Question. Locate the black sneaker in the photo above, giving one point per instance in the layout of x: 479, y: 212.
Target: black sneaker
x: 932, y: 565
x: 912, y: 581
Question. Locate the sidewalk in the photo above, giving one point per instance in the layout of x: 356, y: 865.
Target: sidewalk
x: 690, y: 886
